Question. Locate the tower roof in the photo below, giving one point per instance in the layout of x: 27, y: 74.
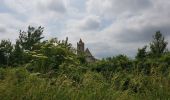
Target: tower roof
x: 88, y: 53
x: 81, y: 42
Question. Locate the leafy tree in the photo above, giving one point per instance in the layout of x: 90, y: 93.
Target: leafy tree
x: 142, y: 53
x: 158, y: 46
x: 51, y: 55
x: 123, y: 62
x: 29, y: 40
x: 63, y: 43
x: 5, y: 52
x: 17, y: 55
x: 82, y: 58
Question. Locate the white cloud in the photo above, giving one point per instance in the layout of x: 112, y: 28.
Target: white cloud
x: 89, y: 23
x: 9, y: 26
x: 114, y: 8
x: 57, y: 6
x: 108, y: 27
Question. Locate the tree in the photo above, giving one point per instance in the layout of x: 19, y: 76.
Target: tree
x: 5, y: 51
x: 51, y: 55
x: 142, y: 53
x: 158, y: 46
x: 17, y: 54
x: 28, y: 40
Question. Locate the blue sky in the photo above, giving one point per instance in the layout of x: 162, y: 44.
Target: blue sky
x: 108, y: 27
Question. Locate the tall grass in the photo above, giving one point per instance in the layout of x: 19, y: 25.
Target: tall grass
x: 19, y: 84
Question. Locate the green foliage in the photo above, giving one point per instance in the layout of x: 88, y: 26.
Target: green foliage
x: 2, y: 73
x: 51, y: 69
x: 81, y: 58
x: 114, y: 64
x: 142, y: 53
x: 5, y: 52
x: 166, y: 58
x: 158, y: 46
x: 17, y: 55
x: 30, y: 39
x: 51, y: 55
x: 20, y: 84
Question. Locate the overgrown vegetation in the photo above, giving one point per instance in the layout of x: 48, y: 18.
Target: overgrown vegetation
x: 36, y: 69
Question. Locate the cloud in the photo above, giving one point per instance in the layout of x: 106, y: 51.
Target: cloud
x: 2, y: 29
x: 35, y: 13
x: 90, y: 23
x: 9, y: 27
x: 58, y: 6
x: 113, y: 8
x: 108, y: 27
x: 138, y: 29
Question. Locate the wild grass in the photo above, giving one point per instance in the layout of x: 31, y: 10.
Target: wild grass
x: 19, y: 84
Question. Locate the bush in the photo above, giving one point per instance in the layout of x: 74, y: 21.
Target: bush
x: 21, y: 74
x: 2, y: 74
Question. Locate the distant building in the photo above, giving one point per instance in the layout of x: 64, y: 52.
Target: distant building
x: 80, y: 50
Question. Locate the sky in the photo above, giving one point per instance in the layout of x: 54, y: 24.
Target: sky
x: 108, y: 27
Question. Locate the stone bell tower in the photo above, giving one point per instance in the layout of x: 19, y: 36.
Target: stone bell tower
x: 80, y: 47
x: 81, y: 50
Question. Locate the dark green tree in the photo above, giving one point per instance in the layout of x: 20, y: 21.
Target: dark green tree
x: 30, y: 39
x: 5, y: 52
x: 17, y: 55
x: 158, y: 46
x: 51, y: 55
x: 142, y: 53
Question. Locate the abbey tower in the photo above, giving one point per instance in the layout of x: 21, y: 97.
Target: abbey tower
x: 81, y: 50
x: 80, y: 47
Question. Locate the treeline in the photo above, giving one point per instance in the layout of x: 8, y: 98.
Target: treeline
x: 148, y: 59
x: 34, y: 68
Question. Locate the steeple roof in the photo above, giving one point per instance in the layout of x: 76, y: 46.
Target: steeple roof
x: 81, y: 41
x: 88, y: 53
